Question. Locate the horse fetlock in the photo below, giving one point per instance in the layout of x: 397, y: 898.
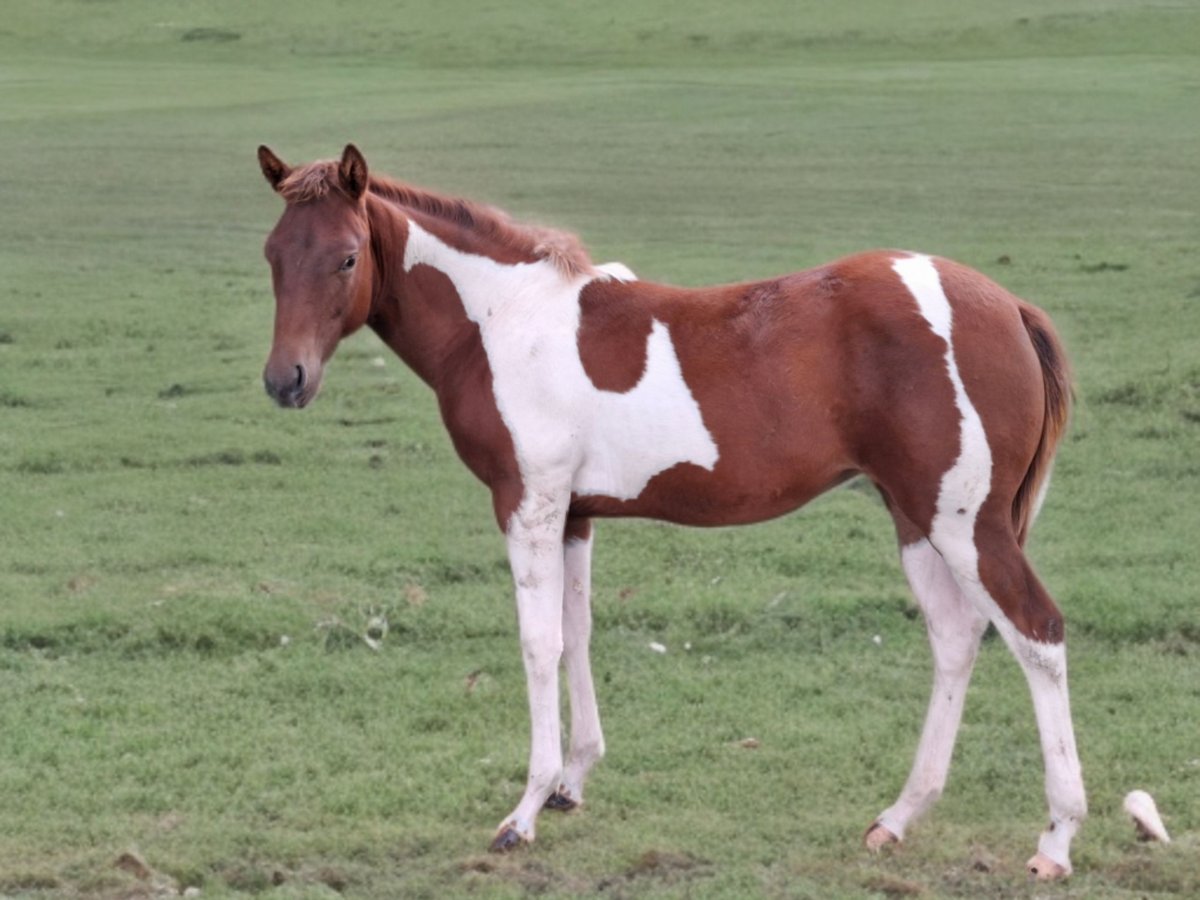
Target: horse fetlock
x: 1053, y: 859
x: 586, y: 754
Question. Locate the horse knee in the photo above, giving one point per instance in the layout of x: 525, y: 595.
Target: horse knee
x: 575, y: 641
x: 541, y: 653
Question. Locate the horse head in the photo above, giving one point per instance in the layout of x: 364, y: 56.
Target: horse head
x: 321, y: 267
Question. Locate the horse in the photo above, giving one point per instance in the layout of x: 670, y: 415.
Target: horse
x: 575, y: 391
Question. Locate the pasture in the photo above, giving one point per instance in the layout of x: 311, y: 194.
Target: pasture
x: 187, y: 573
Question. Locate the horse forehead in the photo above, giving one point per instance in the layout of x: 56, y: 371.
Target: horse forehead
x: 305, y: 226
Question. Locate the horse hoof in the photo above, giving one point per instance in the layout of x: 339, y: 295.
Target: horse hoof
x: 561, y: 802
x: 878, y: 837
x: 506, y: 840
x: 1043, y: 868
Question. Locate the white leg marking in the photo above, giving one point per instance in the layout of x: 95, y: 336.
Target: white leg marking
x: 955, y: 628
x: 1045, y: 667
x: 961, y: 494
x: 586, y: 740
x: 528, y: 317
x: 535, y: 552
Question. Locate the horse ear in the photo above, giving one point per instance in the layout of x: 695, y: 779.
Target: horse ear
x: 352, y: 170
x: 274, y: 169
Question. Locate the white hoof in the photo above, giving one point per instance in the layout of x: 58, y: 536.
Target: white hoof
x: 1146, y: 819
x: 1043, y: 868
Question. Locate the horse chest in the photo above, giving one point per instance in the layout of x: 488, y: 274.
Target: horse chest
x: 562, y: 426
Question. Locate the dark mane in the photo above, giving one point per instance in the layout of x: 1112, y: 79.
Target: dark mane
x: 563, y: 249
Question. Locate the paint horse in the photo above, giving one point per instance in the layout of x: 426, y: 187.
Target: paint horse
x: 575, y: 391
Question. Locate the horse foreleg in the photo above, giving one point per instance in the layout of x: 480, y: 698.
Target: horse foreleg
x: 535, y: 550
x: 955, y: 628
x: 586, y: 744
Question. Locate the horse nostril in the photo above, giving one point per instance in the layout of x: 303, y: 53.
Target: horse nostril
x: 288, y: 383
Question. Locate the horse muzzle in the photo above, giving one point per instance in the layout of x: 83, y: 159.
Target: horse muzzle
x: 291, y: 386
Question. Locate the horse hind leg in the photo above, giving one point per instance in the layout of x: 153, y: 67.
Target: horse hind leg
x: 1032, y: 626
x: 993, y: 573
x: 955, y: 628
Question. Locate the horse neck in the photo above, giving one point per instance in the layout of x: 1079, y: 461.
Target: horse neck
x: 437, y: 283
x: 413, y: 312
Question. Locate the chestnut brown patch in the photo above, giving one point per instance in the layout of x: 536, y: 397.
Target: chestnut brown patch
x: 451, y: 357
x: 612, y: 337
x: 578, y: 528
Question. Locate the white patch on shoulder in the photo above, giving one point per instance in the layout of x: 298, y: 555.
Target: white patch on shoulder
x: 563, y: 427
x: 965, y: 485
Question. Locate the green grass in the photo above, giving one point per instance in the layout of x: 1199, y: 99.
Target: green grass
x: 165, y: 529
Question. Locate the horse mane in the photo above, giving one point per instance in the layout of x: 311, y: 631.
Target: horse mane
x: 561, y: 249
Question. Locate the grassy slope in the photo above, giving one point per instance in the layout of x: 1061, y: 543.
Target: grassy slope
x: 164, y: 528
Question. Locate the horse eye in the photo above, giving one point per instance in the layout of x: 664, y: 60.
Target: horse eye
x: 348, y: 263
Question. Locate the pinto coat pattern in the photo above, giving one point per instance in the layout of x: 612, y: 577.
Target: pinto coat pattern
x: 576, y: 391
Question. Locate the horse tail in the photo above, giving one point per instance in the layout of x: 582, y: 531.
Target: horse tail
x: 1059, y: 395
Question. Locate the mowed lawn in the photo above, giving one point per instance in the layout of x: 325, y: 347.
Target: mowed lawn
x: 187, y: 573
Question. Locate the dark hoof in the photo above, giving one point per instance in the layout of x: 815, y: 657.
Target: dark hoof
x: 506, y: 840
x: 561, y: 802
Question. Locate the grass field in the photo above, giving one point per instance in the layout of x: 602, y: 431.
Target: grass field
x: 186, y: 572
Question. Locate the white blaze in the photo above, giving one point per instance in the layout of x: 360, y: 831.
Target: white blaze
x: 528, y: 316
